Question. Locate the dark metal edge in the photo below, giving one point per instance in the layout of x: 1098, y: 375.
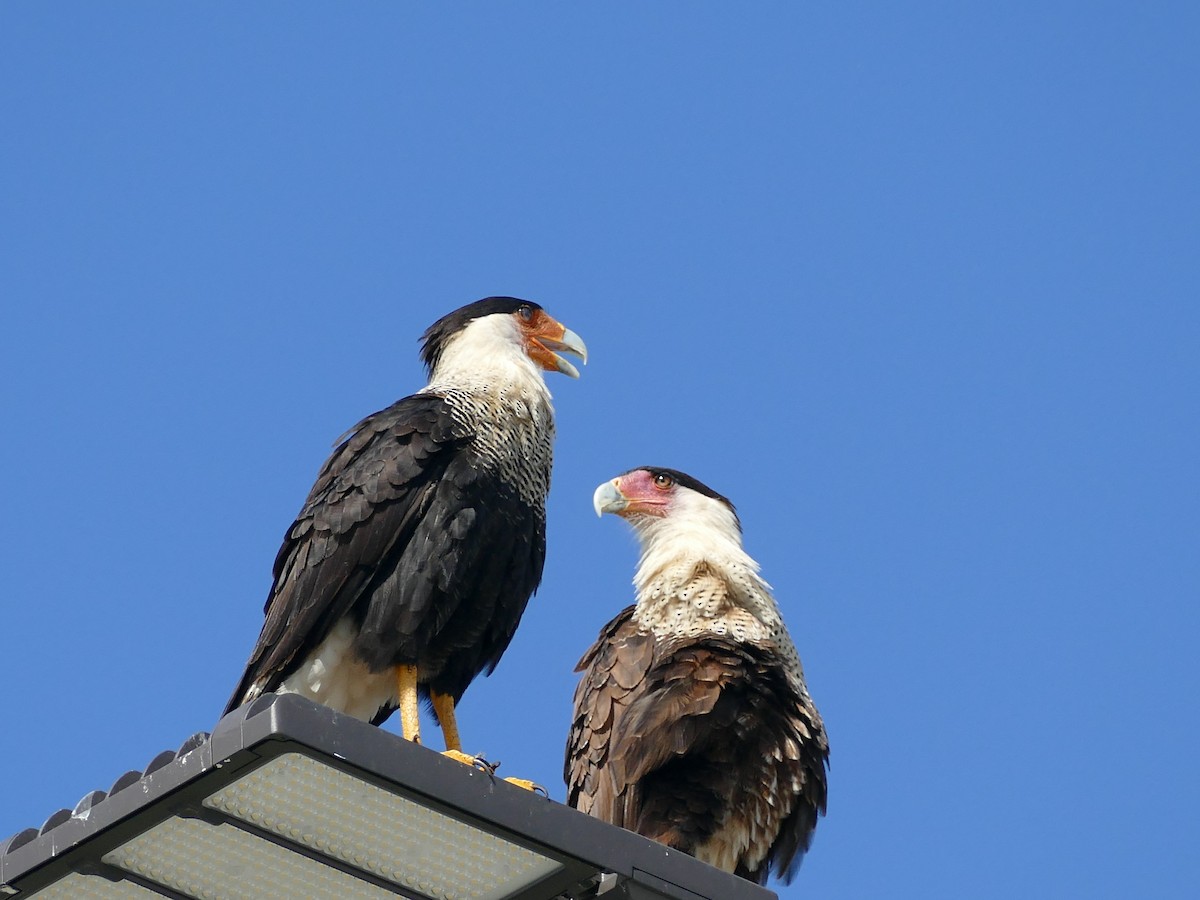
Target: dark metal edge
x: 266, y: 727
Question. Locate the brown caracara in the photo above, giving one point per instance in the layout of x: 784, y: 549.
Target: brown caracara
x: 693, y: 725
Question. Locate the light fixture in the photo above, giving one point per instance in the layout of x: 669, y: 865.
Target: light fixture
x: 287, y: 799
x: 331, y: 812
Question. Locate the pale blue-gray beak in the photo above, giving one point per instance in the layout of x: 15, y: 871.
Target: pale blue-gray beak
x: 571, y: 343
x: 608, y: 498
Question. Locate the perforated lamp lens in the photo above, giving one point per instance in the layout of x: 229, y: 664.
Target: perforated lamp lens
x: 93, y: 887
x: 394, y: 838
x: 221, y: 862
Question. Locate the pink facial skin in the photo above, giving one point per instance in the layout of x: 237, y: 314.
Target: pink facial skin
x: 646, y: 493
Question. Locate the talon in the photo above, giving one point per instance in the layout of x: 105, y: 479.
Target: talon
x: 484, y: 765
x: 476, y: 761
x: 529, y: 786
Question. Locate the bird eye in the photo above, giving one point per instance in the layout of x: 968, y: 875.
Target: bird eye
x: 662, y: 481
x: 525, y: 312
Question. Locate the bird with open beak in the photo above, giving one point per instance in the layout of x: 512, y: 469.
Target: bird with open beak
x: 413, y: 558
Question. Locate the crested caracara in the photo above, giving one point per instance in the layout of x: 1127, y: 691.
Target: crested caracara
x: 413, y: 558
x: 693, y: 725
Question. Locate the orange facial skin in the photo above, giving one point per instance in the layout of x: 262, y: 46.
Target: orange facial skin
x: 544, y: 335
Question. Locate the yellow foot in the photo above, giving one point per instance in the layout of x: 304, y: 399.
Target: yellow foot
x: 528, y: 785
x: 482, y: 764
x: 477, y: 762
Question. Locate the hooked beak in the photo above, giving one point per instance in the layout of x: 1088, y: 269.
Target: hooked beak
x: 551, y: 336
x: 567, y: 342
x: 608, y: 498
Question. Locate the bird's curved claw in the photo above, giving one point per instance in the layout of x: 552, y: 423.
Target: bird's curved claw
x: 478, y: 761
x: 529, y: 786
x: 485, y: 766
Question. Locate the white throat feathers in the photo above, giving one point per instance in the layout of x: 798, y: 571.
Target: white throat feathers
x: 489, y: 350
x: 695, y: 578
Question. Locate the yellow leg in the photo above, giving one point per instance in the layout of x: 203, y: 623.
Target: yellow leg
x: 410, y: 714
x: 443, y: 705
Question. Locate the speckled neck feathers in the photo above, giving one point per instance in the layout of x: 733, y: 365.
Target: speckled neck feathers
x: 694, y: 578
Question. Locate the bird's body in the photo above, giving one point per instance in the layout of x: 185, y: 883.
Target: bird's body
x: 416, y: 552
x: 693, y: 724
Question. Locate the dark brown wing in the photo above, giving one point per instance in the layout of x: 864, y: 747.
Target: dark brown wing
x: 694, y: 740
x: 805, y: 755
x: 369, y: 497
x: 719, y: 741
x: 612, y: 669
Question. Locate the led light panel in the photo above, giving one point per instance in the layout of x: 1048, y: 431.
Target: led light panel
x: 93, y: 887
x: 394, y: 838
x: 222, y: 862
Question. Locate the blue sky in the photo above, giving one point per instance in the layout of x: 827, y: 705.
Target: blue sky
x: 916, y: 285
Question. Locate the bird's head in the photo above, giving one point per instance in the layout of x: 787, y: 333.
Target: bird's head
x: 678, y: 521
x: 655, y: 500
x: 501, y: 326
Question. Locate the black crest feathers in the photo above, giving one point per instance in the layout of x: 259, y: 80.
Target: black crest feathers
x: 434, y: 340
